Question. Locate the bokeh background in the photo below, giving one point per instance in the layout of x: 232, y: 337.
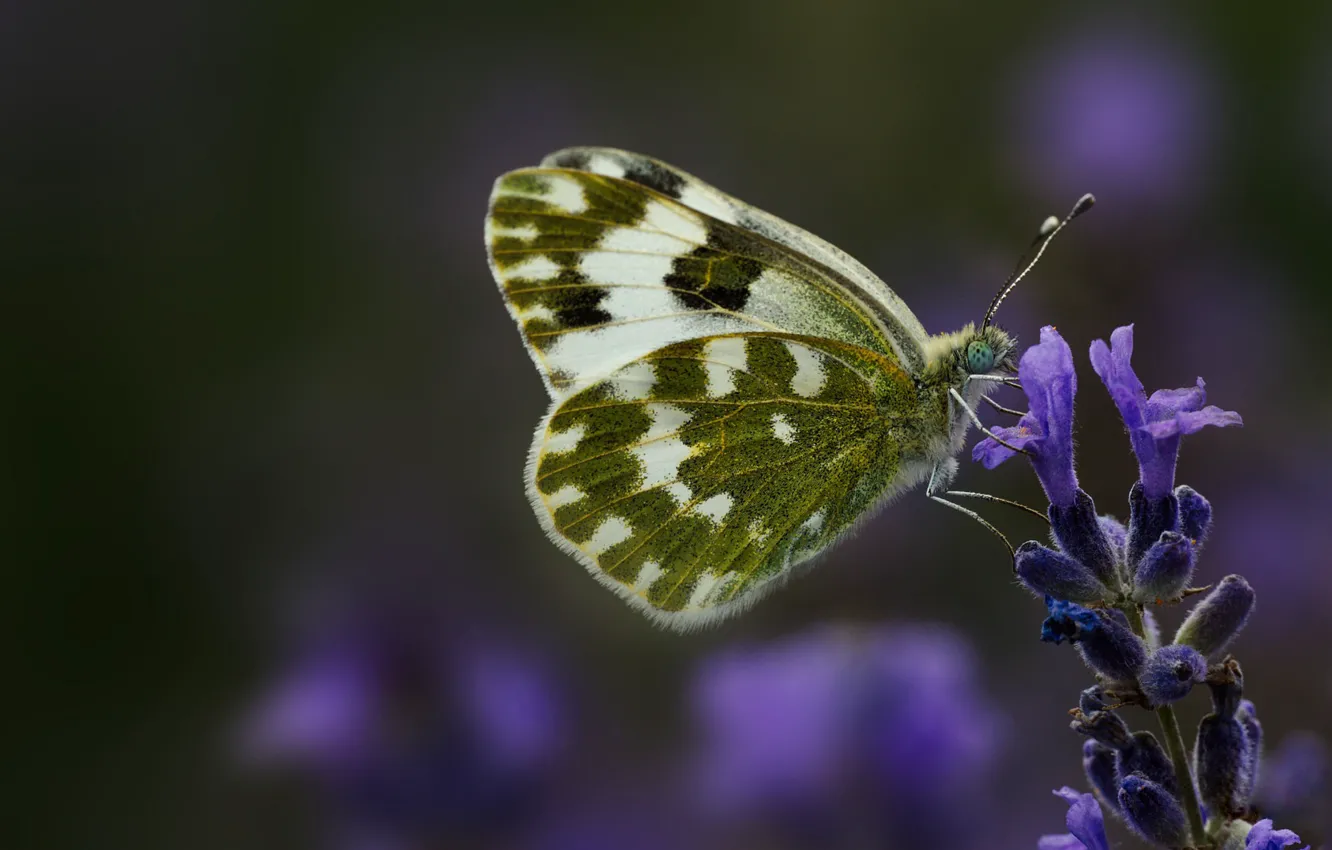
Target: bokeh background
x: 271, y: 577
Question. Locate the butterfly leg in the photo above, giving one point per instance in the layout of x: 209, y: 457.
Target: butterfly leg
x: 932, y: 489
x: 957, y: 397
x: 987, y: 497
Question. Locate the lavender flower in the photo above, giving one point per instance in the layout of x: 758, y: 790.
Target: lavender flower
x: 413, y: 737
x: 1046, y: 430
x: 1295, y: 781
x: 1116, y: 107
x: 892, y: 717
x: 1099, y: 579
x: 1085, y: 822
x: 1155, y: 424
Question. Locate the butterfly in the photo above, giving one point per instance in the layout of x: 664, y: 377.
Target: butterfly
x: 730, y: 394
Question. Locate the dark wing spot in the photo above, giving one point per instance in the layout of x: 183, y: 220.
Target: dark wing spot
x: 712, y: 275
x: 577, y: 160
x: 656, y: 178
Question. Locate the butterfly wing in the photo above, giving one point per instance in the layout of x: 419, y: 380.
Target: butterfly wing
x: 598, y: 271
x: 668, y: 180
x: 694, y: 478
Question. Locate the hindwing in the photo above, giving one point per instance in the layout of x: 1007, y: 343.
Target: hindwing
x: 600, y: 270
x: 697, y: 476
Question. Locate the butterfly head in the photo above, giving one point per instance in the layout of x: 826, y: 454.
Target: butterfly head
x: 988, y: 350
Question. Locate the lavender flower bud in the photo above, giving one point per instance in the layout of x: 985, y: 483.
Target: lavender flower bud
x: 1247, y: 715
x: 1112, y: 650
x: 1145, y: 757
x: 1171, y: 672
x: 1226, y: 682
x: 1153, y: 812
x: 1195, y: 514
x: 1098, y: 762
x: 1148, y: 518
x: 1165, y: 570
x: 1052, y: 573
x: 1106, y: 727
x: 1092, y: 699
x: 1077, y: 530
x: 1214, y: 622
x: 1220, y: 757
x: 1117, y: 534
x: 1067, y: 621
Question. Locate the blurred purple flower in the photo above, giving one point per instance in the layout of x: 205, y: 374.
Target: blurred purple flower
x: 1086, y: 824
x: 413, y: 736
x: 794, y: 726
x: 1293, y: 784
x: 1046, y: 429
x: 1155, y: 424
x: 321, y: 714
x: 1117, y: 112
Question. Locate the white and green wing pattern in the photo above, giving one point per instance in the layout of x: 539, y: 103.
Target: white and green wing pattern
x: 724, y: 384
x: 694, y: 477
x: 599, y: 270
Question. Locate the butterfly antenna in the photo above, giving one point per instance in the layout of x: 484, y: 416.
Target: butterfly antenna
x: 1049, y: 228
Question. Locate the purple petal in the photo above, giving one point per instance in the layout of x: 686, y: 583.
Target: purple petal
x: 1191, y: 422
x: 1263, y: 837
x: 1156, y: 424
x: 1111, y: 364
x: 1059, y: 842
x: 1050, y: 382
x: 1164, y: 404
x: 991, y: 453
x: 1047, y: 376
x: 1084, y: 819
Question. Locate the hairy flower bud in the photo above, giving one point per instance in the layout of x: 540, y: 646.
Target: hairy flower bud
x: 1092, y: 699
x: 1148, y: 519
x: 1145, y: 756
x: 1195, y: 514
x: 1077, y: 529
x: 1112, y: 650
x: 1153, y: 812
x: 1098, y: 762
x: 1171, y: 672
x: 1165, y: 570
x: 1103, y: 726
x: 1220, y: 760
x: 1218, y: 619
x: 1247, y: 715
x: 1052, y: 573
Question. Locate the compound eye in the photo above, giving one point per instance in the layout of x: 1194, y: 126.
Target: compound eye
x: 980, y: 357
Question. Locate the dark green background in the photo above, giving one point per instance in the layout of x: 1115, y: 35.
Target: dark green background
x: 251, y: 343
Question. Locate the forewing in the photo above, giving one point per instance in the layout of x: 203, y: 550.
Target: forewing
x: 598, y: 271
x: 903, y: 326
x: 698, y: 476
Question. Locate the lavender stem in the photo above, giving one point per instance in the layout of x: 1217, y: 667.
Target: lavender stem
x: 1174, y: 741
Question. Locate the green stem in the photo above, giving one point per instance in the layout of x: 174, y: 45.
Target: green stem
x: 1174, y: 741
